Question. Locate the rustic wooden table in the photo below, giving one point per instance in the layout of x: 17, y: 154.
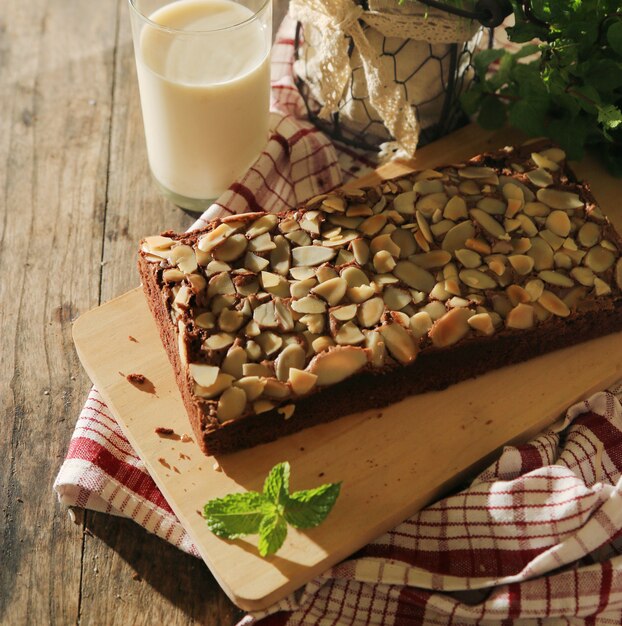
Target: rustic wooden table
x: 76, y: 196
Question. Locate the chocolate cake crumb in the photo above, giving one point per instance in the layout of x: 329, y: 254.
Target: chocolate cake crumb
x: 162, y: 430
x: 133, y: 339
x: 163, y: 462
x: 140, y: 381
x: 137, y: 379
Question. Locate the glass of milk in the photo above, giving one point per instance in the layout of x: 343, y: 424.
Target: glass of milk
x: 204, y: 78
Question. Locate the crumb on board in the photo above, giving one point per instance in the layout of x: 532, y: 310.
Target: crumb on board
x: 186, y: 438
x: 163, y: 430
x: 216, y: 467
x: 140, y: 381
x: 163, y: 462
x: 132, y: 338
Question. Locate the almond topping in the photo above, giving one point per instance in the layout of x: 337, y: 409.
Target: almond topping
x: 399, y: 342
x: 301, y: 381
x: 553, y: 304
x: 337, y: 364
x: 450, y: 328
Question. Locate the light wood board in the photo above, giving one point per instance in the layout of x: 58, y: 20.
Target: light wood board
x: 392, y: 462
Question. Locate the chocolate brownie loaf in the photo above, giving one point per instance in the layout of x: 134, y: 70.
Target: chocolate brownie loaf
x: 277, y: 322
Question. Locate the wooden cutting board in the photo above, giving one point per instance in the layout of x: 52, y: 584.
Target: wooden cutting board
x: 392, y: 462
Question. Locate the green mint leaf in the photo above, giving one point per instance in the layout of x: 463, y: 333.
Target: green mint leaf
x: 309, y: 508
x: 237, y: 514
x: 492, y: 113
x: 276, y: 485
x: 527, y: 117
x: 614, y: 37
x: 272, y: 533
x: 609, y: 116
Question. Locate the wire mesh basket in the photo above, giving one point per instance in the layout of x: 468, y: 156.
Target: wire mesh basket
x: 432, y: 76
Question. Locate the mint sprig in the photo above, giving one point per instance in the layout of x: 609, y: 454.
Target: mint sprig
x: 268, y: 514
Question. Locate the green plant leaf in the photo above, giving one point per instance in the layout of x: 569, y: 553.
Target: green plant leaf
x: 471, y: 99
x: 308, y: 508
x: 272, y: 533
x: 614, y: 37
x: 484, y: 58
x: 237, y: 514
x: 528, y: 117
x: 276, y: 485
x: 492, y: 113
x: 610, y: 116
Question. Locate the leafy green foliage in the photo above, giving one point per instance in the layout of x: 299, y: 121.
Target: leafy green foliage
x: 268, y: 513
x: 571, y: 91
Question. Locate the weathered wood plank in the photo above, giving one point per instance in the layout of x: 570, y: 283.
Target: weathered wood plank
x: 55, y: 72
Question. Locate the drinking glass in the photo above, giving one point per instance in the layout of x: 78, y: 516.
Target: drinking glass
x: 203, y: 71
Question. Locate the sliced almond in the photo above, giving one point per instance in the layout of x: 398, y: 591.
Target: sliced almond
x: 540, y: 177
x: 555, y: 241
x: 619, y: 273
x: 372, y: 225
x: 332, y: 290
x: 204, y: 375
x: 370, y: 312
x: 598, y: 259
x: 450, y: 328
x: 414, y: 276
x: 521, y: 316
x: 557, y: 199
x: 230, y: 320
x: 476, y: 279
x: 488, y: 223
x: 522, y: 263
x: 355, y: 277
x: 314, y: 322
x: 299, y: 237
x: 344, y: 313
x: 517, y: 294
x: 310, y: 256
x: 492, y: 206
x: 536, y: 209
x: 256, y: 369
x: 556, y: 278
x: 302, y: 288
x: 399, y: 342
x: 482, y: 322
x: 205, y: 320
x: 405, y: 241
x: 222, y: 382
x: 360, y: 294
x: 265, y: 315
x: 478, y: 245
x: 322, y: 343
x: 215, y: 237
x: 349, y: 335
x: 601, y: 288
x: 541, y: 253
x: 172, y: 276
x: 301, y: 381
x: 184, y: 258
x: 455, y: 209
x: 360, y: 249
x: 220, y: 284
x: 541, y: 160
x: 158, y: 243
x: 405, y: 202
x: 255, y: 263
x: 457, y: 236
x: 334, y: 203
x: 583, y: 275
x: 270, y: 342
x: 549, y: 301
x: 589, y: 234
x: 469, y: 258
x: 262, y: 243
x: 376, y: 348
x: 384, y: 242
x: 308, y: 304
x: 395, y: 298
x: 262, y: 225
x: 420, y: 324
x: 558, y: 222
x: 233, y: 362
x: 337, y: 364
x: 431, y: 259
x: 218, y: 341
x: 383, y: 261
x: 292, y: 356
x: 253, y: 386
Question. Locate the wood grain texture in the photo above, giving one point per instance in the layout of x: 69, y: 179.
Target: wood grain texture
x: 55, y: 69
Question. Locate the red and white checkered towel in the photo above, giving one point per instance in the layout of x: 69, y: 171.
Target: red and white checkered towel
x: 534, y: 539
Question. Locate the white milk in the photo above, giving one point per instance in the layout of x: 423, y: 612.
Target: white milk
x: 204, y: 96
